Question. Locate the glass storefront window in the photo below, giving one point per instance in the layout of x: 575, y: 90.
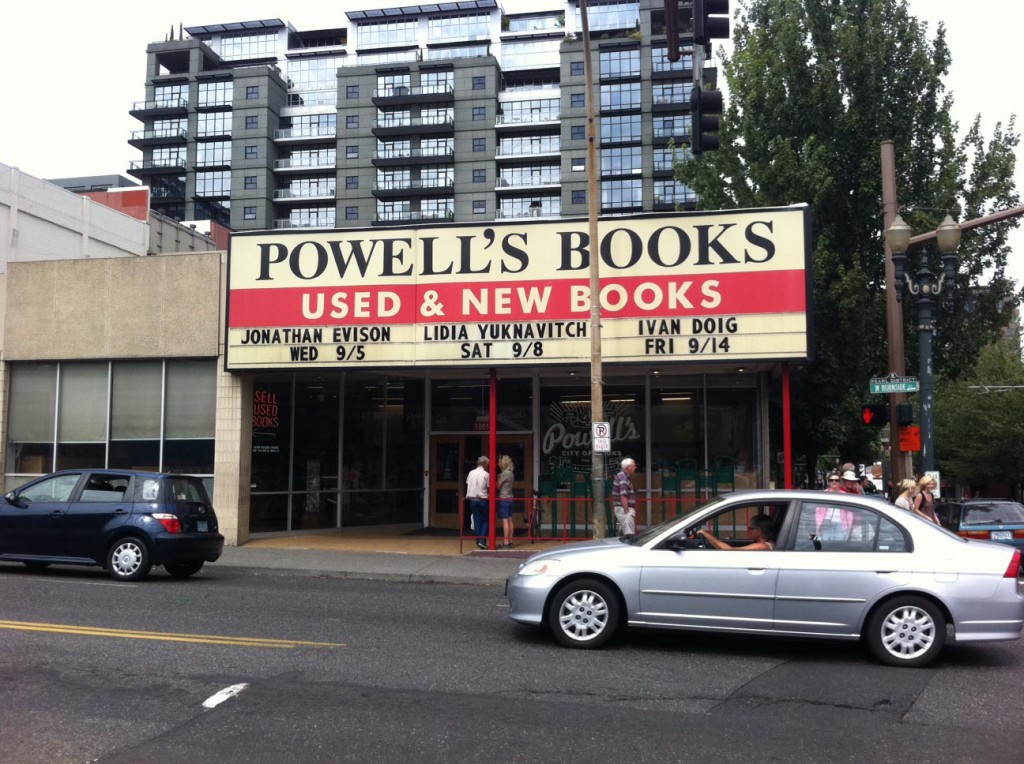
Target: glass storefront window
x: 30, y: 417
x: 82, y: 415
x: 271, y: 434
x: 112, y: 414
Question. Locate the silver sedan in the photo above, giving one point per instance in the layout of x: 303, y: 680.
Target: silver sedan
x: 821, y: 565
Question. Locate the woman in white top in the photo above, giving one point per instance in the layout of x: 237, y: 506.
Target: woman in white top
x: 908, y: 489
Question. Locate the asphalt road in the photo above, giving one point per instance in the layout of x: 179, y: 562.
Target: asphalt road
x: 366, y: 671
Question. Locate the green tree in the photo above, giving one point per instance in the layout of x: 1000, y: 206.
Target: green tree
x: 815, y: 86
x: 978, y: 436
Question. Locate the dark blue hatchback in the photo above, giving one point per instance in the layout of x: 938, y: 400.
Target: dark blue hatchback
x: 124, y: 521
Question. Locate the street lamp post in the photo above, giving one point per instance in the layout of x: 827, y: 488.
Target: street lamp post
x: 924, y: 286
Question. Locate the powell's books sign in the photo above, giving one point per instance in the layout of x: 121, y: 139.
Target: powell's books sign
x: 730, y: 286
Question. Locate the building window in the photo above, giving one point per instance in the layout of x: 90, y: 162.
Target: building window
x: 352, y: 121
x: 351, y: 181
x: 251, y: 152
x: 576, y: 68
x: 249, y: 213
x: 479, y: 113
x: 579, y: 165
x: 579, y: 132
x: 250, y: 182
x: 479, y: 176
x: 351, y: 152
x: 479, y: 206
x: 577, y: 100
x: 620, y: 63
x: 479, y: 144
x: 252, y: 92
x: 252, y: 122
x: 579, y: 197
x: 352, y: 91
x: 351, y: 213
x: 117, y: 414
x: 479, y: 83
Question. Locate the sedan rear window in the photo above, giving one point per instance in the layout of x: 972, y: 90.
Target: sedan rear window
x: 172, y: 490
x: 998, y: 512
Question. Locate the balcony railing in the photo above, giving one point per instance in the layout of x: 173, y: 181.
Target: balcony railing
x: 402, y: 216
x: 155, y: 135
x: 528, y: 150
x: 532, y: 212
x: 512, y: 184
x: 310, y: 223
x: 404, y: 91
x: 161, y: 104
x: 530, y: 118
x: 446, y: 119
x: 414, y: 153
x: 408, y: 185
x: 306, y: 132
x: 156, y: 164
x: 306, y: 163
x: 313, y: 192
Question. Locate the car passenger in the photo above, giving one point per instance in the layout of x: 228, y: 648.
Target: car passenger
x: 762, y: 531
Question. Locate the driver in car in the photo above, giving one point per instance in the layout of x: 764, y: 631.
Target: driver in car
x: 761, y: 531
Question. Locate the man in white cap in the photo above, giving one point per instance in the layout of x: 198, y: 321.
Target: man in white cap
x: 624, y: 499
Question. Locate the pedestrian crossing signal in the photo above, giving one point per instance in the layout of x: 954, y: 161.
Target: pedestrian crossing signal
x: 875, y: 414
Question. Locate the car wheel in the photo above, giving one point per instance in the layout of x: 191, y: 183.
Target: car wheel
x: 35, y: 564
x: 907, y: 631
x: 128, y: 559
x: 183, y: 569
x: 584, y: 613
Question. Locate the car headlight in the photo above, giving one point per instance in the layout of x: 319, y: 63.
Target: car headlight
x: 540, y: 568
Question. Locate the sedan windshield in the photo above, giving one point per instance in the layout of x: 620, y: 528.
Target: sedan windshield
x: 654, y: 531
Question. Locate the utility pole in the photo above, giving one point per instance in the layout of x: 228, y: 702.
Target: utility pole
x: 893, y: 314
x: 593, y: 205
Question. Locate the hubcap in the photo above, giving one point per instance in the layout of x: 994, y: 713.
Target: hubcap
x: 583, y: 615
x: 127, y: 559
x: 908, y: 632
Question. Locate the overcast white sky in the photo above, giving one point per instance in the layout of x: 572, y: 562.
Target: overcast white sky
x: 72, y: 70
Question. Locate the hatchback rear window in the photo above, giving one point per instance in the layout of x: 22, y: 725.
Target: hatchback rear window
x: 1003, y: 512
x: 172, y: 490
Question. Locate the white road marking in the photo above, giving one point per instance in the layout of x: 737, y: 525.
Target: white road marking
x: 226, y: 694
x: 52, y: 580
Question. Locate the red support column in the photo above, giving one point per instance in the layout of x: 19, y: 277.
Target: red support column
x: 493, y: 456
x: 787, y: 436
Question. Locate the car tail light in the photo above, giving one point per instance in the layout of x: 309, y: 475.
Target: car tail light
x: 1018, y: 534
x: 974, y: 534
x: 170, y: 522
x: 1013, y: 569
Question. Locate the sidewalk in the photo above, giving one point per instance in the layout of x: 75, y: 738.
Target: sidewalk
x: 382, y: 555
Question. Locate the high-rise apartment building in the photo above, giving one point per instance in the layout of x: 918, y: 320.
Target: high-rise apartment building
x: 454, y: 111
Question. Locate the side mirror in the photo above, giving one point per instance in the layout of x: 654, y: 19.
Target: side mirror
x: 10, y: 497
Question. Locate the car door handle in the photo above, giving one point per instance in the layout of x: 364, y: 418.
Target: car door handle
x: 120, y: 511
x: 57, y: 513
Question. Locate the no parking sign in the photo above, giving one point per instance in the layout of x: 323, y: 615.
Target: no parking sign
x: 601, y: 432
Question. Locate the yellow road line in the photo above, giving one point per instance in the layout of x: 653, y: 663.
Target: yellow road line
x: 209, y: 639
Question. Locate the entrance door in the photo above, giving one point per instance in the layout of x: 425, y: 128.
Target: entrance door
x: 451, y: 459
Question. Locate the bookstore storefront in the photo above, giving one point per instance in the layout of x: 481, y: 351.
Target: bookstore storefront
x: 367, y: 358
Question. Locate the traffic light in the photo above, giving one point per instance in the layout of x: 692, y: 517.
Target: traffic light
x: 904, y: 413
x: 705, y: 108
x: 710, y: 20
x: 875, y: 414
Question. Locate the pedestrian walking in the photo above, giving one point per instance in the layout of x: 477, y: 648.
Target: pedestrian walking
x: 505, y: 479
x: 624, y: 499
x: 478, y: 484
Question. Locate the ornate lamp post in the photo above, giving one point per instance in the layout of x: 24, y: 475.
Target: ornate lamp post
x: 924, y: 285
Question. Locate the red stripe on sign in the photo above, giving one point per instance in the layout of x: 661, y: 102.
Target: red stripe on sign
x: 554, y: 299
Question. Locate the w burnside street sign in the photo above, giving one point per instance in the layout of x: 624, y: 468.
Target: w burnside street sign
x: 894, y: 384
